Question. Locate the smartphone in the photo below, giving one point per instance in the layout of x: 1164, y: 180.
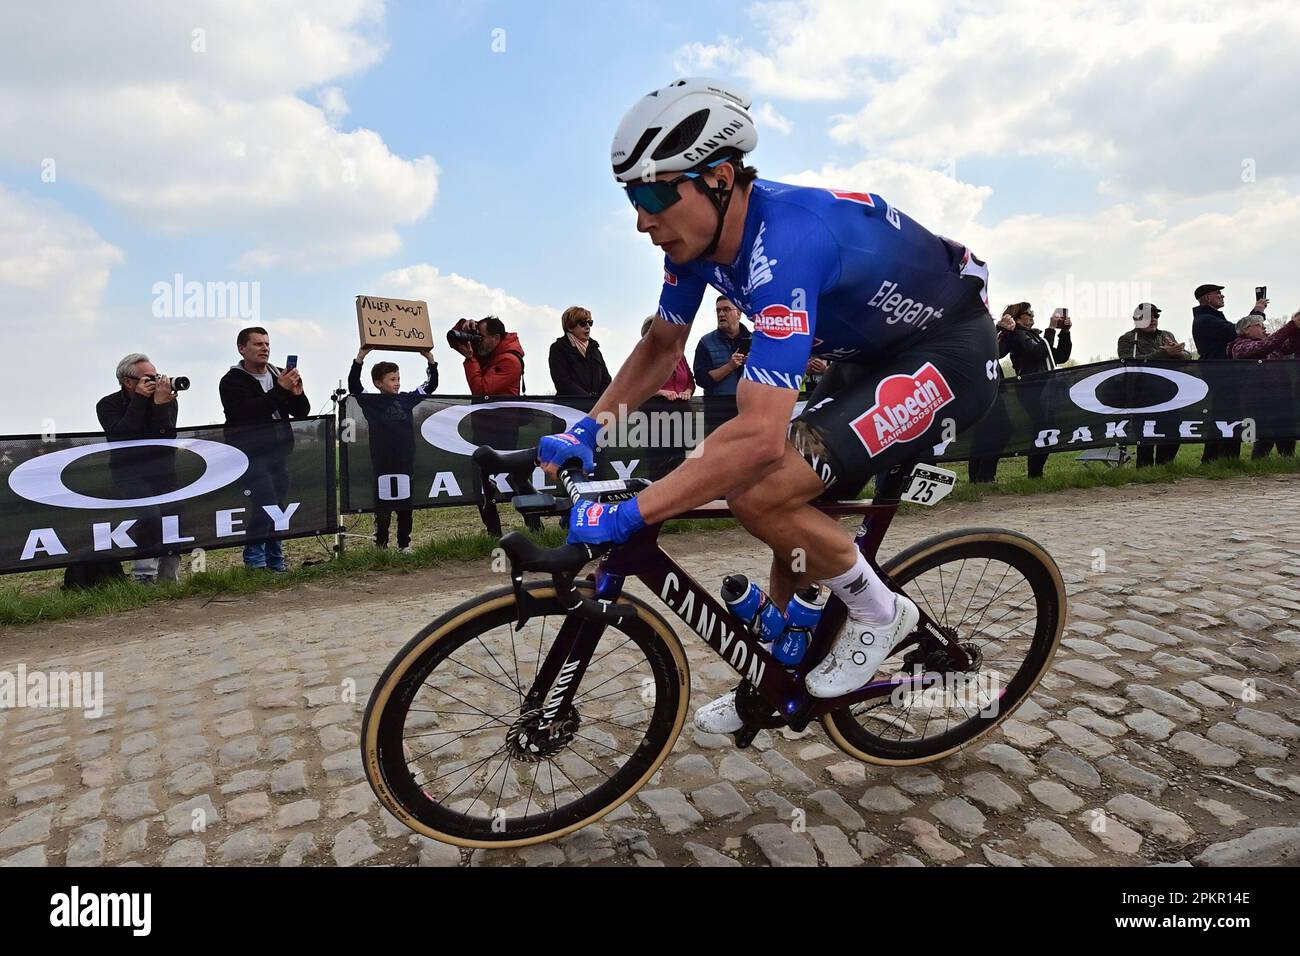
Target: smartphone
x: 1065, y: 313
x: 291, y: 362
x: 743, y: 348
x: 1261, y: 292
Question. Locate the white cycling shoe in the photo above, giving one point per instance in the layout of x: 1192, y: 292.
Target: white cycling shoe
x: 719, y: 716
x: 855, y: 656
x: 860, y: 650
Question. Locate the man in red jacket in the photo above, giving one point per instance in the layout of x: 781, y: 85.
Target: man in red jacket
x: 498, y: 366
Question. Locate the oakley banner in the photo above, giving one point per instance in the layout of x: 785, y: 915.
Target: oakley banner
x: 409, y: 451
x: 77, y: 498
x: 1126, y: 403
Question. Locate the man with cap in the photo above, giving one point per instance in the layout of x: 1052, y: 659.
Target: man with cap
x: 1268, y: 385
x: 1213, y: 333
x: 1147, y: 342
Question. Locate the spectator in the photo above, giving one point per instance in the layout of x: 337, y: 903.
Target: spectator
x: 681, y: 384
x: 1033, y: 352
x: 813, y: 375
x: 577, y: 366
x: 720, y: 354
x: 144, y: 406
x: 259, y: 400
x: 495, y: 364
x: 391, y: 431
x: 1213, y: 333
x: 1254, y: 343
x: 995, y: 425
x: 1147, y: 342
x: 674, y: 397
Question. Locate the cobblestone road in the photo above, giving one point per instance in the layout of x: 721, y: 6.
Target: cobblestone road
x: 1172, y: 713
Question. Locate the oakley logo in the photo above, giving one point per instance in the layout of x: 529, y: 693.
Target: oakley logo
x: 1190, y: 390
x: 905, y: 408
x: 41, y: 479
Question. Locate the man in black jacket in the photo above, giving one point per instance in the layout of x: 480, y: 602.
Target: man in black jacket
x: 1213, y: 333
x: 259, y: 400
x: 577, y: 366
x: 1033, y: 352
x: 144, y: 406
x: 391, y: 429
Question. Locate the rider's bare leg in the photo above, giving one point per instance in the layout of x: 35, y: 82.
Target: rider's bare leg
x: 807, y: 545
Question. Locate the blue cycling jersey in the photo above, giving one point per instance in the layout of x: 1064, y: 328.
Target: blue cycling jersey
x: 841, y: 275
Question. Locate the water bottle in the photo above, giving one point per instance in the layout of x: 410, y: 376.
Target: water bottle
x: 804, y: 612
x: 748, y: 602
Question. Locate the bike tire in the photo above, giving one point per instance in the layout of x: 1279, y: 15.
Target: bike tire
x: 1048, y: 588
x: 382, y: 739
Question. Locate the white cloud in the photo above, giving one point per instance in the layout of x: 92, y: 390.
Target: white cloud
x: 218, y: 140
x: 769, y: 119
x: 943, y: 204
x: 1165, y: 96
x: 53, y: 267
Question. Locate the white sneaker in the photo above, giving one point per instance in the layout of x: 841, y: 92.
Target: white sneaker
x: 407, y: 550
x: 720, y: 716
x: 860, y: 650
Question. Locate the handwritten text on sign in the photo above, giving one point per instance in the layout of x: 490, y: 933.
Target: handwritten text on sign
x: 400, y: 324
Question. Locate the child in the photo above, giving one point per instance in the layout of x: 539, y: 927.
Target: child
x: 392, y: 434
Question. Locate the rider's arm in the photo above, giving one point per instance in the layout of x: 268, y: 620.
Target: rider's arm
x: 752, y: 441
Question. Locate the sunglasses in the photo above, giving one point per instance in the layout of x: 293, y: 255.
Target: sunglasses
x: 585, y: 323
x: 654, y: 197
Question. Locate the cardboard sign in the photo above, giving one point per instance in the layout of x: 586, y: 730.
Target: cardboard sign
x: 399, y: 325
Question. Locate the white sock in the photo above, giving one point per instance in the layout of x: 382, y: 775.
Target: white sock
x: 863, y: 592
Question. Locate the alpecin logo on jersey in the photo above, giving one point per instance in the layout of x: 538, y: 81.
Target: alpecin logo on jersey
x: 760, y: 266
x: 905, y: 407
x: 781, y: 322
x: 669, y: 278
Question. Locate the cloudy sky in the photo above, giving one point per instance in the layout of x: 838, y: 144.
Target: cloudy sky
x: 1097, y: 155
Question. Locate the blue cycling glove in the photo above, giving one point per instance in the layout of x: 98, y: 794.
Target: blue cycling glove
x: 578, y: 442
x: 591, y: 522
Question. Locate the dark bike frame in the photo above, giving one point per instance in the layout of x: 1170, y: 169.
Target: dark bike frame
x: 783, y: 689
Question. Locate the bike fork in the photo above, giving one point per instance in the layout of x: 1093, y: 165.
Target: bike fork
x: 553, y: 690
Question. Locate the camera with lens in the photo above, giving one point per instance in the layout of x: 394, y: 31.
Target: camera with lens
x: 179, y: 382
x: 466, y: 330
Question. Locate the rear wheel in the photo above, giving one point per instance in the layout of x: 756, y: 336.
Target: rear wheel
x: 1001, y: 596
x: 441, y: 739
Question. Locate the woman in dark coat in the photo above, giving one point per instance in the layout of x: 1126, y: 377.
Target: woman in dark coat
x: 577, y: 367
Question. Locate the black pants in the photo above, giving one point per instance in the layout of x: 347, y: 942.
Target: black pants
x: 383, y: 516
x: 932, y: 385
x: 1214, y: 450
x: 1285, y: 448
x: 1160, y: 454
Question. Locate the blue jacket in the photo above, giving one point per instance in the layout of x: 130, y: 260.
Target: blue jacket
x: 712, y: 351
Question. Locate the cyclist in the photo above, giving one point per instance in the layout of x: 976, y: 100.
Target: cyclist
x: 900, y: 312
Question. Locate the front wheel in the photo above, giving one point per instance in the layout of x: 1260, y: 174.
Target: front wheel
x: 1002, y: 597
x: 440, y: 738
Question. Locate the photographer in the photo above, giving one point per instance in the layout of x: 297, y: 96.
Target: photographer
x: 494, y: 363
x: 577, y: 366
x: 1033, y: 352
x: 1268, y: 384
x: 1147, y: 342
x: 259, y: 400
x: 391, y: 430
x: 144, y: 406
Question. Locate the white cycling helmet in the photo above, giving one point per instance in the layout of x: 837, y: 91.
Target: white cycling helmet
x: 680, y: 127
